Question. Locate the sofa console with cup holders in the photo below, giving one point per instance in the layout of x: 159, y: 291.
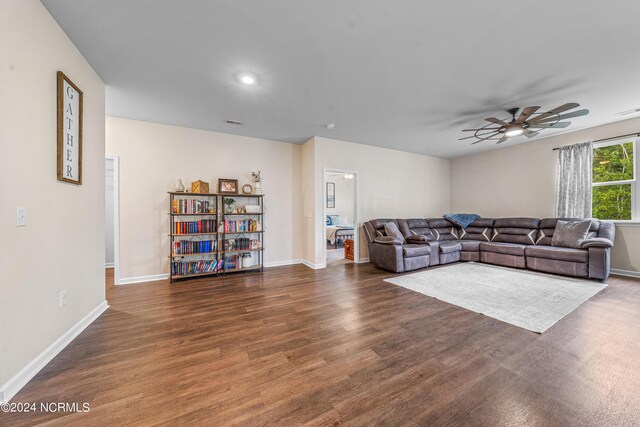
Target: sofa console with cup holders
x: 567, y: 246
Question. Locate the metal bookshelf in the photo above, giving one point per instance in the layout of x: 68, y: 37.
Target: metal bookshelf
x: 256, y: 252
x: 226, y: 259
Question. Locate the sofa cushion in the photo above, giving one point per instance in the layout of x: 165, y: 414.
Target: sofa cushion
x: 522, y: 231
x: 442, y: 229
x: 548, y: 226
x: 411, y: 250
x: 557, y: 253
x: 450, y: 246
x: 569, y: 234
x: 391, y: 229
x: 378, y: 226
x: 503, y: 248
x: 470, y: 245
x: 415, y: 227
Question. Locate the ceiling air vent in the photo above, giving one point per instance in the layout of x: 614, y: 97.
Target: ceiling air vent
x: 233, y: 122
x: 626, y: 113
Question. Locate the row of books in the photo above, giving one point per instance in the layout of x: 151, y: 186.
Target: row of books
x: 192, y: 227
x: 182, y: 268
x: 182, y: 247
x: 242, y: 225
x: 242, y: 243
x: 244, y: 260
x: 190, y: 206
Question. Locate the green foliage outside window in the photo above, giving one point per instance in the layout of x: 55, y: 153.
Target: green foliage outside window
x: 613, y: 163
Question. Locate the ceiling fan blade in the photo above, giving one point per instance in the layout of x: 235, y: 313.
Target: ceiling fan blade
x: 485, y: 139
x: 553, y: 112
x: 559, y: 125
x: 474, y: 130
x: 503, y: 139
x: 526, y: 112
x: 578, y: 113
x: 481, y: 135
x: 497, y: 121
x: 530, y: 133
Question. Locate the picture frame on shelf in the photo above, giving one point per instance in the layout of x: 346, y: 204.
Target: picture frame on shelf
x: 227, y: 186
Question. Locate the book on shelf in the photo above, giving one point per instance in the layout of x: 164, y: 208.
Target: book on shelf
x: 186, y: 247
x: 243, y: 225
x: 242, y: 243
x: 191, y: 206
x: 183, y: 268
x: 195, y: 227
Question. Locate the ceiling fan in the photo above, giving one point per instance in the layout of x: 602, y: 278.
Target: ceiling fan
x: 528, y: 123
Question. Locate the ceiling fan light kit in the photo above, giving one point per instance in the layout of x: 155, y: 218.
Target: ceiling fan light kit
x: 528, y: 123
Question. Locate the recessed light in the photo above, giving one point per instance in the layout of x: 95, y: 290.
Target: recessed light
x: 248, y: 79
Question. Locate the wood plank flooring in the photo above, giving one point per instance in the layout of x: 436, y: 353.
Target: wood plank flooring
x: 295, y: 346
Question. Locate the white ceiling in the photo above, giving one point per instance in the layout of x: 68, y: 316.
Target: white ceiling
x: 403, y: 74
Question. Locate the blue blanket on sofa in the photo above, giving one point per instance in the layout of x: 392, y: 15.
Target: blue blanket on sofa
x: 461, y: 220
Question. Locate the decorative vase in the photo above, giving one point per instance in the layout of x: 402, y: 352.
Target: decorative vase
x: 257, y: 187
x: 179, y: 186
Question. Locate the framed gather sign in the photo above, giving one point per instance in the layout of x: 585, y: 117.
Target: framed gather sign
x: 69, y: 131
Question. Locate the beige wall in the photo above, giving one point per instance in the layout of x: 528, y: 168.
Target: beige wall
x: 62, y: 246
x: 390, y: 183
x: 153, y: 156
x: 520, y: 181
x: 309, y: 190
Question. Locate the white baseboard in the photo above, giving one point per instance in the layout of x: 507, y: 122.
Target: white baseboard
x: 19, y: 380
x: 109, y: 265
x: 314, y: 266
x: 140, y: 279
x: 627, y: 273
x: 362, y: 260
x: 281, y: 263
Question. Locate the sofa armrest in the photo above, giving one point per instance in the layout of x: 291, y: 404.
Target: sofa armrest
x: 387, y: 240
x: 387, y: 254
x: 596, y: 242
x: 417, y: 239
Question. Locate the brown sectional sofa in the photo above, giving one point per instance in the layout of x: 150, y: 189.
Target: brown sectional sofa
x: 512, y: 242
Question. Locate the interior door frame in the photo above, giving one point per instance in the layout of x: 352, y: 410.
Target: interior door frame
x: 356, y: 225
x: 116, y: 218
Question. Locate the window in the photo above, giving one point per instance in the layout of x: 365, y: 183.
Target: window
x: 614, y: 180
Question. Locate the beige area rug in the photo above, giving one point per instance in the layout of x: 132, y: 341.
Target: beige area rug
x: 530, y: 300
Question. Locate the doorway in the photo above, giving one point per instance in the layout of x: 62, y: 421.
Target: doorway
x: 340, y: 216
x: 112, y: 220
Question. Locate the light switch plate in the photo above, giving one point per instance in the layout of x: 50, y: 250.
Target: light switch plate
x: 21, y: 217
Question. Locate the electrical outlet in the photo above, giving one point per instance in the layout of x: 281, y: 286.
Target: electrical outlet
x: 63, y: 298
x: 21, y: 217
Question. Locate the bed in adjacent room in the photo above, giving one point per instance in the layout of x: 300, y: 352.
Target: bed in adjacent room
x: 338, y: 230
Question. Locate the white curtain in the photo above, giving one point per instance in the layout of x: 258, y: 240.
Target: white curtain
x: 573, y: 189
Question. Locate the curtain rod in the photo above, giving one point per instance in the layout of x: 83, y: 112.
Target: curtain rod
x: 604, y: 139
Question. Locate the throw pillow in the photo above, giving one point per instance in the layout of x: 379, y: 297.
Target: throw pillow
x: 391, y: 229
x: 334, y: 219
x: 328, y: 220
x: 461, y: 220
x: 570, y: 234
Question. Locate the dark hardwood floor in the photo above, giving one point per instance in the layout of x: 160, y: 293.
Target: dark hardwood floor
x: 339, y: 346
